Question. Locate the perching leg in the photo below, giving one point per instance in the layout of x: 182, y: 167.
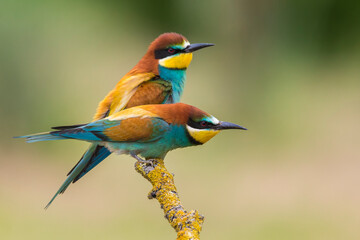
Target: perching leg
x: 149, y: 161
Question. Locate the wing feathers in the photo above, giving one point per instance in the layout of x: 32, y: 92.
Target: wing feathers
x: 118, y: 98
x: 68, y: 127
x: 130, y: 130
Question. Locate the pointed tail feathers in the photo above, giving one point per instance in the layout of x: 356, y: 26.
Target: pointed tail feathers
x: 41, y: 137
x: 99, y: 154
x: 75, y: 172
x: 66, y: 132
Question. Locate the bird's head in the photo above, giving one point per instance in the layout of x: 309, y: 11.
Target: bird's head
x: 169, y: 50
x: 174, y: 51
x: 202, y: 126
x: 199, y: 125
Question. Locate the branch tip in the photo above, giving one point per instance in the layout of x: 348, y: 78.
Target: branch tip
x: 186, y: 224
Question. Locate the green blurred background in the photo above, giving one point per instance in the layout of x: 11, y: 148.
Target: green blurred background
x: 287, y: 70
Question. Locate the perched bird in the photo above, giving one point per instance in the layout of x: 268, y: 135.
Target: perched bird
x: 156, y: 79
x: 148, y: 131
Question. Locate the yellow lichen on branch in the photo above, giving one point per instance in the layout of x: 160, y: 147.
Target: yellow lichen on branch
x: 186, y: 224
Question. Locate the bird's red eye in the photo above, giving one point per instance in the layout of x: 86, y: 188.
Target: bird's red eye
x: 203, y: 123
x: 171, y: 50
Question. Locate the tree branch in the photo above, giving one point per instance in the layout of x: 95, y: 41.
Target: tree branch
x: 186, y: 224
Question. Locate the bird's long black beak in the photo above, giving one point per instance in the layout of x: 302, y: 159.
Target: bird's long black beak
x: 228, y: 125
x: 196, y: 46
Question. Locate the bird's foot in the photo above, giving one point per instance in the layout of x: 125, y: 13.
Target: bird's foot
x: 149, y: 162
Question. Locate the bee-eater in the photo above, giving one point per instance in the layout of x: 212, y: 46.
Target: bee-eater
x: 156, y: 79
x: 149, y: 131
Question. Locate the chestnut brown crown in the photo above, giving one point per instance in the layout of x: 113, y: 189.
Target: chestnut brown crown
x: 148, y: 63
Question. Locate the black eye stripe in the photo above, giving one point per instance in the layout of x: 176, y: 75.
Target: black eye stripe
x: 200, y: 125
x: 203, y: 123
x: 163, y: 53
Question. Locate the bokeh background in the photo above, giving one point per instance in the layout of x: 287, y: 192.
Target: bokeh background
x: 287, y: 70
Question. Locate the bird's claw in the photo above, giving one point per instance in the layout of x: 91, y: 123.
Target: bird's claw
x: 149, y: 162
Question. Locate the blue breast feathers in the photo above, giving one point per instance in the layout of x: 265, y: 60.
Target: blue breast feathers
x: 177, y: 78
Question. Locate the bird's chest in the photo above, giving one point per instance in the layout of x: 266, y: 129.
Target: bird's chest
x: 175, y: 137
x: 177, y: 79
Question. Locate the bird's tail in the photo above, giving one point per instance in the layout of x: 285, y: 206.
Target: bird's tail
x: 41, y: 137
x: 62, y: 132
x: 98, y: 155
x: 75, y: 171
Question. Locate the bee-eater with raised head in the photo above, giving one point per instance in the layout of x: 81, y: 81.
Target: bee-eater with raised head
x: 157, y: 78
x: 149, y: 131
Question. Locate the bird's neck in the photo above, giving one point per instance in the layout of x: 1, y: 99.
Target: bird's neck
x: 177, y: 78
x: 178, y: 137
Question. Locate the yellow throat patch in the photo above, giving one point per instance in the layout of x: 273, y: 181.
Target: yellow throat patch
x: 180, y: 61
x: 202, y: 135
